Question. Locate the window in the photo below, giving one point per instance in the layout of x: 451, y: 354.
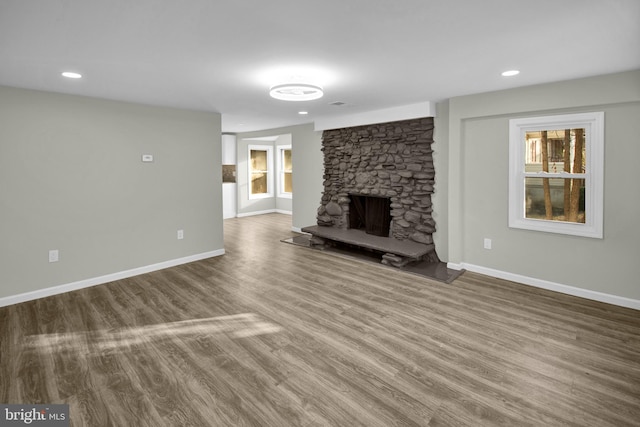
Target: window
x: 260, y: 179
x: 285, y: 172
x: 556, y: 174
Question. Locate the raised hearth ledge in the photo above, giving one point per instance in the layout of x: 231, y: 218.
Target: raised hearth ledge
x: 405, y: 248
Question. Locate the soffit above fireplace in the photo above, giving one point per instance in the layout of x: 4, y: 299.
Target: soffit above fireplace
x: 405, y: 112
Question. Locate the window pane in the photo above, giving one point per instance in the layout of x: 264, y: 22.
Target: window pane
x: 555, y: 199
x: 288, y: 182
x: 258, y: 183
x: 258, y: 172
x: 286, y: 154
x: 555, y: 151
x: 258, y: 160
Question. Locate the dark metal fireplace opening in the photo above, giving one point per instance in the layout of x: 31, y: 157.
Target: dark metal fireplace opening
x: 371, y: 213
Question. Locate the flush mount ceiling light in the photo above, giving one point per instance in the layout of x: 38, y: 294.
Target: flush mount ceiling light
x: 510, y: 73
x: 296, y: 92
x: 72, y: 75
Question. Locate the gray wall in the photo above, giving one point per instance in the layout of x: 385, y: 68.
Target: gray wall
x: 307, y: 169
x: 71, y: 178
x: 478, y: 186
x: 440, y: 198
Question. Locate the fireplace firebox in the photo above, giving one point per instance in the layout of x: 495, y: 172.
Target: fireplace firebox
x: 373, y: 214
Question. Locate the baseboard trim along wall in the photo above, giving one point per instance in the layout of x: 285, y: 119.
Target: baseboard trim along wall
x: 552, y: 286
x: 60, y: 289
x: 280, y: 211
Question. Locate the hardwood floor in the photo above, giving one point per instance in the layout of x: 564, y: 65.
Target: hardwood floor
x: 272, y: 334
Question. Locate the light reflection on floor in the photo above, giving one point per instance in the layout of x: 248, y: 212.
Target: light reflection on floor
x: 236, y: 326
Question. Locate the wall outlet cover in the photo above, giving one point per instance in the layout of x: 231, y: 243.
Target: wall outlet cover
x: 487, y: 243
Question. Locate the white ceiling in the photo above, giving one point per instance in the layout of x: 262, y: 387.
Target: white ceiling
x: 223, y: 55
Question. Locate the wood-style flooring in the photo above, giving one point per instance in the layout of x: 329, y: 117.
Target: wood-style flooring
x: 271, y: 334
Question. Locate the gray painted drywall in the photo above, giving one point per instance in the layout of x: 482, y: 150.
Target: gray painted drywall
x: 307, y: 169
x: 71, y: 178
x: 478, y: 196
x: 307, y: 174
x: 439, y: 198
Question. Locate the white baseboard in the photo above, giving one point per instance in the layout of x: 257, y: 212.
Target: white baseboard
x: 299, y: 230
x: 454, y: 266
x: 268, y: 211
x: 243, y: 215
x: 54, y: 290
x: 552, y: 286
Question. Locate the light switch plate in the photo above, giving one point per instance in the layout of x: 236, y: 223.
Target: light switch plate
x: 147, y: 158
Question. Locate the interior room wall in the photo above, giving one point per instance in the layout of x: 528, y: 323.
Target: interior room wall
x: 439, y: 197
x: 307, y: 174
x: 72, y: 179
x: 478, y: 189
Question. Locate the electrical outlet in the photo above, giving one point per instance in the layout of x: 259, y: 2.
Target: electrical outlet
x: 54, y: 255
x: 180, y: 234
x: 487, y: 243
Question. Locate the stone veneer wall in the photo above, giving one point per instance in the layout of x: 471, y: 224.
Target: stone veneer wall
x: 389, y: 160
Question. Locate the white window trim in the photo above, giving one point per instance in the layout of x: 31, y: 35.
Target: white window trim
x: 594, y: 174
x: 269, y: 150
x: 281, y: 192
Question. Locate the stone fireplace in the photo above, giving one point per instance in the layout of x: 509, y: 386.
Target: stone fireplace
x: 388, y: 164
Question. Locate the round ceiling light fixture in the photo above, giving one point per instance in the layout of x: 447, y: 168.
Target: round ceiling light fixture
x: 296, y: 92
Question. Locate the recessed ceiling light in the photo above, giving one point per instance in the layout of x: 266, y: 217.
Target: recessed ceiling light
x: 72, y: 75
x: 510, y: 73
x: 303, y: 113
x: 296, y: 92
